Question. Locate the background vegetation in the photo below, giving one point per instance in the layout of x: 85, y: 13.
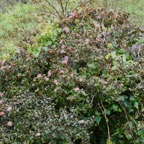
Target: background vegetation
x: 71, y: 72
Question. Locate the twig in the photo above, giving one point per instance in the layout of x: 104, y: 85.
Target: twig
x: 106, y: 119
x: 63, y: 11
x: 125, y: 112
x: 66, y: 5
x: 54, y: 8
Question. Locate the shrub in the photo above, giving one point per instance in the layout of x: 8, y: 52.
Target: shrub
x: 83, y: 88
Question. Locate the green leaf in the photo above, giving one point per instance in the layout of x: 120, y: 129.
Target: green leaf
x: 113, y: 54
x: 136, y: 105
x: 115, y: 107
x: 121, y: 98
x: 92, y: 65
x: 98, y: 119
x: 49, y: 43
x: 114, y: 68
x: 107, y: 56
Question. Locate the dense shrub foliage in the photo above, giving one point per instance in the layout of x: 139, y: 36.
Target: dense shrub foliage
x: 84, y: 87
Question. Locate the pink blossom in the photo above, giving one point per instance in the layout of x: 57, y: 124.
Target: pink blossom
x: 73, y: 14
x: 39, y: 75
x: 81, y: 121
x: 95, y: 49
x: 49, y: 73
x: 87, y: 40
x: 56, y: 89
x: 9, y: 123
x: 70, y: 17
x: 61, y: 72
x: 63, y: 46
x: 37, y: 134
x: 97, y: 25
x: 18, y: 74
x: 70, y: 49
x: 1, y: 94
x: 55, y: 82
x: 76, y: 119
x: 2, y: 62
x: 76, y: 89
x: 62, y: 51
x: 66, y: 29
x: 2, y: 113
x: 46, y: 78
x: 72, y: 75
x: 65, y: 61
x: 1, y: 101
x: 121, y: 85
x: 9, y: 108
x: 102, y: 81
x: 80, y: 79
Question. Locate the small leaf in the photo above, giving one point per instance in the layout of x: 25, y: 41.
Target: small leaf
x: 109, y: 45
x: 115, y: 107
x: 121, y: 98
x: 136, y: 105
x: 92, y: 65
x: 97, y: 119
x: 107, y: 56
x: 113, y: 54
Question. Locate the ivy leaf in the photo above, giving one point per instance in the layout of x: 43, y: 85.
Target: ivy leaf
x: 121, y: 98
x: 115, y: 107
x: 136, y: 105
x: 97, y: 119
x: 113, y: 54
x: 92, y: 65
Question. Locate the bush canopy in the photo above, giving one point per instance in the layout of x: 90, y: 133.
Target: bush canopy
x: 84, y: 86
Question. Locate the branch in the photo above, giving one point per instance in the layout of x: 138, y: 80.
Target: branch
x: 54, y: 8
x: 66, y: 5
x: 106, y: 119
x: 60, y: 1
x: 125, y: 112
